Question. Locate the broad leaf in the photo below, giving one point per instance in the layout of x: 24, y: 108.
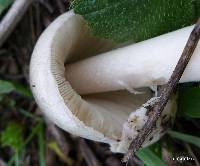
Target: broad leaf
x: 23, y: 90
x: 189, y: 102
x: 157, y: 149
x: 6, y: 87
x: 12, y: 136
x: 150, y: 158
x: 4, y: 4
x: 136, y: 20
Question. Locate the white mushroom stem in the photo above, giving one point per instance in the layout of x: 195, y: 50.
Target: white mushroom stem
x: 143, y: 64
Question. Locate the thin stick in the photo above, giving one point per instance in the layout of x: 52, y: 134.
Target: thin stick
x: 192, y: 154
x: 2, y: 162
x: 88, y: 154
x: 12, y: 17
x: 166, y: 92
x: 58, y: 137
x: 61, y: 6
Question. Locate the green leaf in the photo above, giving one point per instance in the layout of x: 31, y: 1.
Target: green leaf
x: 33, y: 132
x: 1, y: 98
x: 185, y: 137
x: 157, y: 149
x: 12, y: 136
x: 23, y: 90
x: 6, y: 87
x: 136, y: 20
x: 150, y: 158
x: 4, y: 4
x: 189, y: 104
x: 27, y: 114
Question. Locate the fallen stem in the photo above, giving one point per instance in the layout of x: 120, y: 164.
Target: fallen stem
x: 2, y: 162
x: 88, y: 154
x: 165, y: 93
x: 58, y: 136
x: 12, y: 17
x: 192, y: 154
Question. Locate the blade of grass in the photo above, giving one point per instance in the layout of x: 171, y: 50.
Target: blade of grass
x: 29, y: 115
x: 41, y: 143
x: 150, y: 158
x: 185, y: 137
x: 17, y: 158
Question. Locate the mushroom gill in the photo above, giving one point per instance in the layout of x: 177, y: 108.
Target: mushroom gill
x: 101, y: 116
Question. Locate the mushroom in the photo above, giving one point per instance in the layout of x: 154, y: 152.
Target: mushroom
x: 67, y: 93
x: 144, y: 64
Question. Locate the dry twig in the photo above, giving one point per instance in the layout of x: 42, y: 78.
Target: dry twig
x: 61, y: 6
x: 88, y: 154
x: 192, y: 154
x: 12, y: 17
x: 58, y: 136
x: 2, y: 162
x: 166, y: 92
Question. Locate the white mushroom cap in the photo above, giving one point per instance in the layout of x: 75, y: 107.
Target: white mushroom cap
x: 111, y: 117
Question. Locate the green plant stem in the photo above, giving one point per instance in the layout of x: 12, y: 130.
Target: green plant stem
x: 41, y: 143
x: 17, y: 158
x: 30, y: 137
x: 185, y: 137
